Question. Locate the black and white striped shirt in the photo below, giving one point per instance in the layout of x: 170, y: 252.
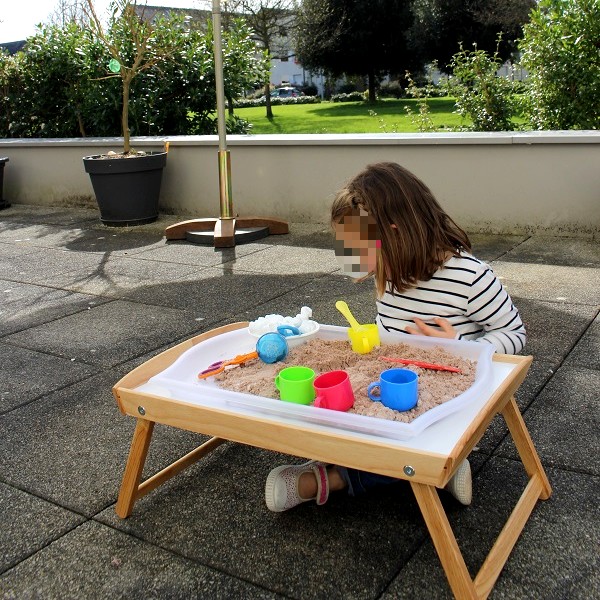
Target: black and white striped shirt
x: 467, y: 293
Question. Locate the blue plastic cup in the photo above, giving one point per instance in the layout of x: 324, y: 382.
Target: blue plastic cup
x: 398, y: 389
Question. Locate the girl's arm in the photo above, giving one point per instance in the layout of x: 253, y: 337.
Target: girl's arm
x: 491, y: 307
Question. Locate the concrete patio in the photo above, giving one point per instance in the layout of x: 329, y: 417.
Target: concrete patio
x: 82, y: 305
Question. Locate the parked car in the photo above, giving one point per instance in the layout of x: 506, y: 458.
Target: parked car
x: 286, y: 92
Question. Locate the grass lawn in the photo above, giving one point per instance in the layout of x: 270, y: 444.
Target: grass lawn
x: 350, y: 117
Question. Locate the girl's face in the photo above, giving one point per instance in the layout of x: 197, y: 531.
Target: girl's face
x: 357, y: 244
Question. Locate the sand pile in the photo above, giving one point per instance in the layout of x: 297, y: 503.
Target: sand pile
x: 435, y: 387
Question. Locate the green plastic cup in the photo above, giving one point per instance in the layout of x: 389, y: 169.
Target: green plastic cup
x: 295, y: 384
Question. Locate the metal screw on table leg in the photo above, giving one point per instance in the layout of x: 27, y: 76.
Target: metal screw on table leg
x: 408, y: 470
x: 141, y: 410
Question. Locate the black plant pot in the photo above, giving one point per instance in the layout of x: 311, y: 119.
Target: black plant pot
x: 127, y: 189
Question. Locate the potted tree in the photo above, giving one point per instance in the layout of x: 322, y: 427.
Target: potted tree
x: 127, y: 183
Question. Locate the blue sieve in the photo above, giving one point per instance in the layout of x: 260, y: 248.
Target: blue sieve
x: 271, y: 347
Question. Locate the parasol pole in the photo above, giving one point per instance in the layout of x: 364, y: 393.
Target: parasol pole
x: 229, y: 229
x: 225, y: 194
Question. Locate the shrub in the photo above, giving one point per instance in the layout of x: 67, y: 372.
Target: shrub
x: 351, y: 97
x: 561, y: 51
x: 309, y: 90
x: 275, y: 101
x: 422, y: 119
x: 186, y: 83
x: 480, y: 94
x: 11, y: 90
x: 391, y: 89
x: 204, y: 124
x: 347, y: 87
x: 52, y: 91
x: 60, y: 86
x: 521, y: 87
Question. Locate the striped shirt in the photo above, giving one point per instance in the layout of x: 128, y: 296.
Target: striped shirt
x: 466, y: 292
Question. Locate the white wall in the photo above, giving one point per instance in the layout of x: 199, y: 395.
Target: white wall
x: 286, y: 71
x: 289, y: 71
x: 507, y: 182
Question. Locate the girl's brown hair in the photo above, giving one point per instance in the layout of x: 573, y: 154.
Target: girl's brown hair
x: 416, y: 233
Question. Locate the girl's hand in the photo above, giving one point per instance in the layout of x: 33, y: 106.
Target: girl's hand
x: 445, y: 331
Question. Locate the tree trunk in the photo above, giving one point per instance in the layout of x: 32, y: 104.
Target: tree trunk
x: 125, y: 116
x: 80, y: 124
x: 268, y: 84
x: 268, y: 100
x: 372, y: 89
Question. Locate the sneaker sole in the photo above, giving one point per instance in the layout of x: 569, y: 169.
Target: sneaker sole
x: 463, y: 488
x: 270, y: 489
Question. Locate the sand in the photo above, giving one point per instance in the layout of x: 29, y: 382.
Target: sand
x: 435, y: 387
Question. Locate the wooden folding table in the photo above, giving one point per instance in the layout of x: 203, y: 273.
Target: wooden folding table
x: 427, y: 461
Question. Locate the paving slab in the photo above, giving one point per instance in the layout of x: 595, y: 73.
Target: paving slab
x: 50, y: 215
x: 553, y: 328
x: 114, y: 276
x: 95, y: 561
x: 215, y: 514
x: 9, y: 250
x: 26, y: 375
x: 556, y: 555
x: 23, y: 305
x: 564, y: 422
x: 587, y: 351
x: 287, y: 260
x: 29, y: 524
x: 80, y: 445
x: 115, y: 242
x: 214, y: 294
x: 43, y: 265
x: 182, y: 252
x: 488, y: 247
x: 39, y: 235
x: 554, y: 283
x: 549, y: 250
x: 305, y: 235
x: 110, y: 333
x: 89, y: 218
x: 539, y: 374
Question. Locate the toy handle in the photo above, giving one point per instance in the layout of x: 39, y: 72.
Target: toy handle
x: 320, y: 402
x: 288, y: 330
x: 371, y: 386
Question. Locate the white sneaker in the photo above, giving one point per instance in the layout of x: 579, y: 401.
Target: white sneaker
x: 281, y: 487
x: 461, y: 485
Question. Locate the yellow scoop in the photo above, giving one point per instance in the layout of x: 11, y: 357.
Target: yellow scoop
x: 343, y: 308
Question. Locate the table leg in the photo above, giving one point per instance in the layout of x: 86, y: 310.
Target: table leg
x: 537, y: 488
x: 443, y: 537
x: 134, y: 467
x: 132, y: 488
x: 444, y: 541
x: 523, y: 443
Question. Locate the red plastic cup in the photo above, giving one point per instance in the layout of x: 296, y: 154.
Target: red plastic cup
x: 334, y: 391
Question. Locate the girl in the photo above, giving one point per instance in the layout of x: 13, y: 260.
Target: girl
x: 389, y: 225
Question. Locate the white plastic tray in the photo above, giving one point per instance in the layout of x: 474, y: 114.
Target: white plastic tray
x: 180, y: 381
